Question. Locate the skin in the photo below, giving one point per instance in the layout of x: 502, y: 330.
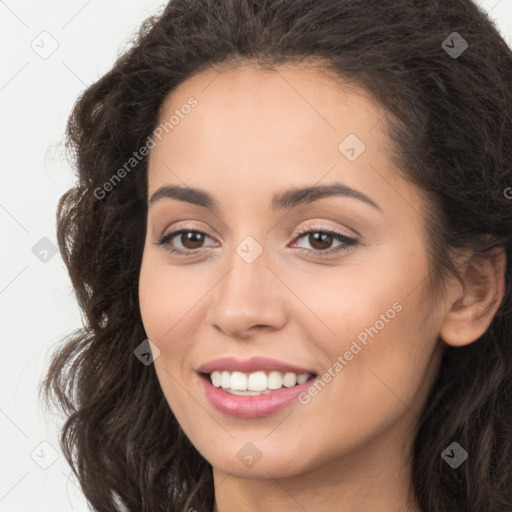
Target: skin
x: 254, y: 133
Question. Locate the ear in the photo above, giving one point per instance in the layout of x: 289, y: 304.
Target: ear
x: 472, y: 306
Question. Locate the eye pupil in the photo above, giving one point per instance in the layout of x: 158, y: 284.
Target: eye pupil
x: 322, y: 238
x: 193, y: 237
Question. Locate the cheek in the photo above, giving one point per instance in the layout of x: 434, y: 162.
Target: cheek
x: 163, y: 305
x: 152, y: 301
x: 166, y: 296
x: 382, y: 326
x: 353, y: 303
x: 387, y: 360
x: 368, y: 329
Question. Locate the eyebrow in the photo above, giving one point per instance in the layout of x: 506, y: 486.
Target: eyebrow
x: 287, y: 199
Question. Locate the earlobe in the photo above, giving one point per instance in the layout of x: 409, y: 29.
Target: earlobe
x: 471, y: 307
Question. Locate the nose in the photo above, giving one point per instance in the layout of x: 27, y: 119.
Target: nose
x: 249, y: 298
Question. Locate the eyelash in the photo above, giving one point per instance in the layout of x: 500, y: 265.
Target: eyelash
x: 349, y: 243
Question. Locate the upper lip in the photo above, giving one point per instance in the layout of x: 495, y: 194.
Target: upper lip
x: 232, y: 364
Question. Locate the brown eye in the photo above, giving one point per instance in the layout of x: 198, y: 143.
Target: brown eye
x: 321, y: 242
x: 187, y: 240
x: 191, y: 239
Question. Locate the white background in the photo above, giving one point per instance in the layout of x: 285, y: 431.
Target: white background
x: 37, y: 306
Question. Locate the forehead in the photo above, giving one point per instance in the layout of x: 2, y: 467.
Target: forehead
x: 253, y: 128
x: 301, y: 99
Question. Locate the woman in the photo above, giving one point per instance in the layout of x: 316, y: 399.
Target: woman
x: 291, y: 238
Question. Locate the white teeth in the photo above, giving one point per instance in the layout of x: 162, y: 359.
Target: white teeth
x: 255, y: 383
x: 225, y: 379
x: 289, y: 379
x: 247, y: 393
x: 275, y: 380
x: 216, y: 380
x: 303, y: 377
x: 239, y: 382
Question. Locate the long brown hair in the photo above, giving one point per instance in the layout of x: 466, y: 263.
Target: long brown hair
x: 450, y: 120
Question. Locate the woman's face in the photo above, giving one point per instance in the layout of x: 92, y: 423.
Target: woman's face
x: 357, y: 314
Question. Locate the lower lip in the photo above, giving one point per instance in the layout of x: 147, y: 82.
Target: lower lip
x: 240, y: 406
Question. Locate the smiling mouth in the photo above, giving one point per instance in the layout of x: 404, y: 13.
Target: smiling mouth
x: 255, y: 383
